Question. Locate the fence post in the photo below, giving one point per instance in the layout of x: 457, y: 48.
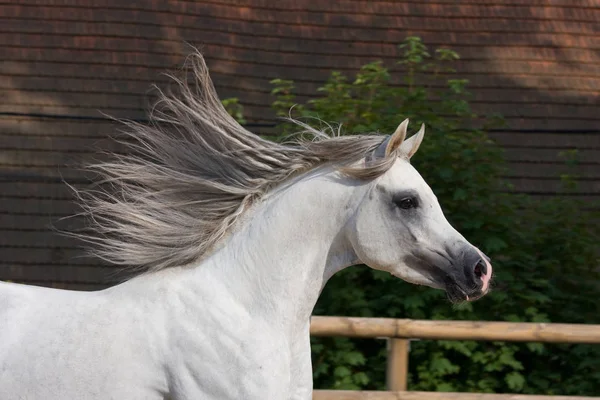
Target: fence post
x: 397, y: 364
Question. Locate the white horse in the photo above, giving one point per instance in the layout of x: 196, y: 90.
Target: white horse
x: 236, y: 237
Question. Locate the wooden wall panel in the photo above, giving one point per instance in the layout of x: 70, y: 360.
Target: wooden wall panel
x: 68, y: 63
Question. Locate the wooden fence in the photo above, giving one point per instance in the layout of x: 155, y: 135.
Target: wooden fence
x: 400, y: 331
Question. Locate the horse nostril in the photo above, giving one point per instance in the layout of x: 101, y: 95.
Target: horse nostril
x: 480, y: 269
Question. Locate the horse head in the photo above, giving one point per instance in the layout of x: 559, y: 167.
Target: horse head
x: 399, y: 227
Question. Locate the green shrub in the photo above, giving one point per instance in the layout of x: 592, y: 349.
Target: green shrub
x: 545, y: 252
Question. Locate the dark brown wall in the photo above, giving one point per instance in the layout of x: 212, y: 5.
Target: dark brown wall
x: 65, y: 62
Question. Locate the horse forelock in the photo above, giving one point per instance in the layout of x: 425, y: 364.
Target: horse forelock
x: 193, y: 170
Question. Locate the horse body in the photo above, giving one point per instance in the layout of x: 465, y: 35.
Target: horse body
x: 241, y: 316
x: 57, y: 344
x: 233, y: 323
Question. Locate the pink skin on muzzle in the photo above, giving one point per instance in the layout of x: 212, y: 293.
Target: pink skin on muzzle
x: 488, y: 275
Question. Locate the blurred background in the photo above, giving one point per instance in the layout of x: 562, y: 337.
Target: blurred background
x: 508, y: 88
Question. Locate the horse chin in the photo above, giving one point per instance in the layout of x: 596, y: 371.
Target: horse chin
x: 457, y: 295
x: 419, y: 280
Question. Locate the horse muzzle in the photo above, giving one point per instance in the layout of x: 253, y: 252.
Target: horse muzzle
x: 470, y: 279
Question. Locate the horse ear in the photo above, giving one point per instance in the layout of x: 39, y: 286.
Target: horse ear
x: 410, y: 146
x: 397, y: 138
x: 391, y: 143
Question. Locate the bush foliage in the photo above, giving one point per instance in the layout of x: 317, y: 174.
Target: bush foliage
x: 544, y: 252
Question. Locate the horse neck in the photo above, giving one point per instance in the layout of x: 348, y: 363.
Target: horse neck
x: 280, y: 258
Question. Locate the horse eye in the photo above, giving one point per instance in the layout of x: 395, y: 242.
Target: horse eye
x: 407, y: 203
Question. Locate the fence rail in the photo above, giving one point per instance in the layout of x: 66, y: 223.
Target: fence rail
x: 358, y: 395
x: 400, y: 331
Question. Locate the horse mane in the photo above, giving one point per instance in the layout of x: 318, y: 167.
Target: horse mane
x: 188, y: 175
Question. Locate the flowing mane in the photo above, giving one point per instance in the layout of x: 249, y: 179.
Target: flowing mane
x: 192, y: 171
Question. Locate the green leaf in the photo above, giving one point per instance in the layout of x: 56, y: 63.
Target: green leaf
x: 354, y: 358
x: 515, y: 381
x: 342, y: 371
